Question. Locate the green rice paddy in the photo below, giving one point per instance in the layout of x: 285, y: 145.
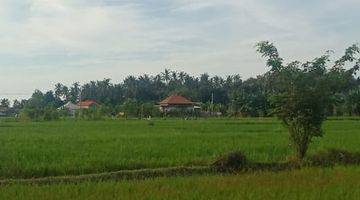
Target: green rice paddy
x: 62, y: 148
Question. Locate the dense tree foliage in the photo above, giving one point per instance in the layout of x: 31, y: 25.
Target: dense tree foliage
x: 301, y: 93
x: 231, y: 95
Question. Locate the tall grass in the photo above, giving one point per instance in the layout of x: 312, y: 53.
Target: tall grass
x: 311, y: 183
x: 37, y: 149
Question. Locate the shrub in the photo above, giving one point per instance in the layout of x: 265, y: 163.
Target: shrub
x: 50, y: 113
x: 47, y: 113
x: 230, y: 162
x: 332, y: 157
x: 149, y: 109
x: 93, y: 113
x: 131, y: 108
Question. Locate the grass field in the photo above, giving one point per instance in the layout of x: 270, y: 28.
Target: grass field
x: 37, y: 149
x: 308, y: 183
x: 42, y: 149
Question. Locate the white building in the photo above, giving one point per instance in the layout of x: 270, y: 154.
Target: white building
x: 69, y: 107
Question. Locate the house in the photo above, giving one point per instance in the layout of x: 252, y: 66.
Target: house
x: 176, y: 102
x: 70, y: 107
x: 3, y: 111
x: 88, y: 104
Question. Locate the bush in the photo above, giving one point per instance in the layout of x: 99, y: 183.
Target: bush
x: 332, y: 157
x: 131, y: 108
x: 98, y: 113
x: 50, y: 114
x: 149, y: 109
x: 231, y: 162
x: 39, y: 114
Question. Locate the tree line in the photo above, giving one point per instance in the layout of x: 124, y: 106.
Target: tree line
x: 230, y: 95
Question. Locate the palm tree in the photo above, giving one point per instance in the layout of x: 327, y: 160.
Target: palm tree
x: 166, y: 76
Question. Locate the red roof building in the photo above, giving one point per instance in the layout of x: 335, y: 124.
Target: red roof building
x: 88, y: 104
x: 176, y: 102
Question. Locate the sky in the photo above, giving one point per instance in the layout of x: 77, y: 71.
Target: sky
x: 43, y: 42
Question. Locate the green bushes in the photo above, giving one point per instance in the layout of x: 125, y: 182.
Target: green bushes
x: 332, y: 157
x: 95, y: 113
x: 231, y: 162
x: 236, y: 161
x: 39, y: 114
x: 134, y: 109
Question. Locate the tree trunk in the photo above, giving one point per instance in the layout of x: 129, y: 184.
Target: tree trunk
x: 300, y: 141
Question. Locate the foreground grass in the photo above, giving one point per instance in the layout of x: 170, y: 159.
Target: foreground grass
x: 309, y: 183
x: 80, y: 147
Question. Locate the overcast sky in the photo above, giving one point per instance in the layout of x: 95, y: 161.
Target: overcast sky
x: 43, y: 42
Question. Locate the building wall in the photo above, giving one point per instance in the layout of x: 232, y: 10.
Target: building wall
x: 176, y: 107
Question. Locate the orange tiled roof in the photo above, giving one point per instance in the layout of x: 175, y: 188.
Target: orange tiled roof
x: 176, y: 100
x: 87, y: 103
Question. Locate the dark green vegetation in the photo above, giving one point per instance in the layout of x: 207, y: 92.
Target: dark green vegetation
x: 301, y: 93
x: 230, y: 95
x: 37, y: 149
x: 309, y: 183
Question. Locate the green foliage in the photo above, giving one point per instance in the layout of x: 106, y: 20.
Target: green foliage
x: 302, y: 93
x: 131, y: 108
x: 134, y: 109
x: 149, y: 110
x: 40, y: 107
x: 94, y: 113
x: 331, y: 157
x: 353, y: 101
x: 39, y: 114
x: 50, y: 114
x: 236, y: 97
x: 231, y: 162
x: 5, y: 103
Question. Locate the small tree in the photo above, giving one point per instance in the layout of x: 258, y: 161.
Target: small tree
x: 301, y: 93
x: 131, y: 108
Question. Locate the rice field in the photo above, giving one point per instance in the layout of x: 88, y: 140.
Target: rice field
x: 38, y: 149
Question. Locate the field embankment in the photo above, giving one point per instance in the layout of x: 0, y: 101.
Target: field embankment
x: 308, y: 183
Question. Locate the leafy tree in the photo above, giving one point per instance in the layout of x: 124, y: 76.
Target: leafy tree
x: 166, y: 76
x: 75, y: 91
x: 302, y: 93
x: 130, y: 108
x: 149, y: 109
x: 40, y: 107
x: 5, y: 103
x: 354, y: 100
x: 17, y: 104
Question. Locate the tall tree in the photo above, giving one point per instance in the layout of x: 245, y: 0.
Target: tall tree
x: 5, y: 103
x: 302, y: 92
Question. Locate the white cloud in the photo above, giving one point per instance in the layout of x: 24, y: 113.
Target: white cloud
x: 43, y: 40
